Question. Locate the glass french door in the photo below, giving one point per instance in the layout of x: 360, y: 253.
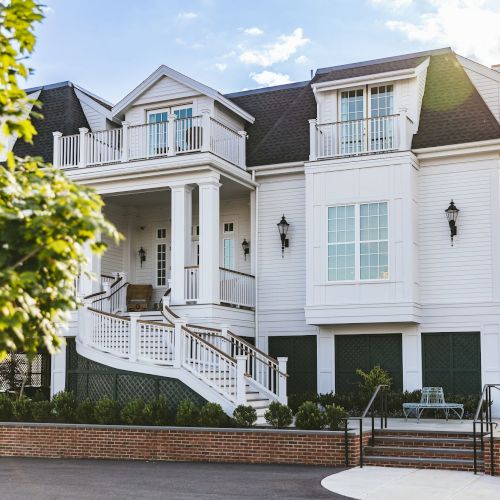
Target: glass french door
x: 157, y: 132
x: 184, y: 135
x: 352, y: 114
x: 382, y: 123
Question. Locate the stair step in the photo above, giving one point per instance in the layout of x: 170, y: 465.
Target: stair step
x: 434, y: 442
x: 420, y: 452
x: 424, y: 463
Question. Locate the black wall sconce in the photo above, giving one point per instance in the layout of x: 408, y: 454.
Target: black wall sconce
x: 452, y: 216
x: 142, y: 255
x: 246, y: 247
x: 283, y: 229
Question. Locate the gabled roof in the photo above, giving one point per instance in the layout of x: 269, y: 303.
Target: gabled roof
x: 165, y: 71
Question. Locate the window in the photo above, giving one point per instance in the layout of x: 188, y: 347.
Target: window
x: 352, y: 111
x: 161, y: 257
x: 381, y: 124
x: 157, y: 132
x: 358, y: 242
x: 228, y: 245
x: 186, y: 138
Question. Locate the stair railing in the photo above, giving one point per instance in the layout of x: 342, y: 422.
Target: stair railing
x: 113, y: 298
x: 380, y: 391
x: 484, y: 419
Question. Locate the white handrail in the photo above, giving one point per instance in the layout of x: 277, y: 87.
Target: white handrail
x: 237, y: 288
x: 104, y: 146
x: 225, y: 142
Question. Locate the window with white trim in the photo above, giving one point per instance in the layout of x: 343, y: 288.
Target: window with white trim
x: 358, y: 242
x: 228, y: 246
x: 161, y: 257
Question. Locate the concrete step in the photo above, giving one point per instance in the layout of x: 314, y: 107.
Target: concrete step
x: 420, y: 452
x: 426, y: 442
x: 424, y: 463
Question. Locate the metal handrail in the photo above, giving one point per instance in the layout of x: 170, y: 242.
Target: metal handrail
x: 369, y: 408
x: 478, y: 419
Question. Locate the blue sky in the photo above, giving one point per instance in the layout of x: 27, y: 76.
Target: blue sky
x: 110, y: 46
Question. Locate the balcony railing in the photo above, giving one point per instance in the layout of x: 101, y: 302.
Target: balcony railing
x: 151, y: 140
x: 357, y: 137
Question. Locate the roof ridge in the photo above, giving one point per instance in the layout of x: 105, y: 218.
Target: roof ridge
x: 49, y: 86
x: 262, y: 90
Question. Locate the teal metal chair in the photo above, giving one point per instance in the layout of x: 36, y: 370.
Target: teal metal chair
x: 432, y: 399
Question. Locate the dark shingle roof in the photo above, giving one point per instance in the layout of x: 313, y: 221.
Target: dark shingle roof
x: 452, y: 112
x: 61, y: 111
x: 280, y: 133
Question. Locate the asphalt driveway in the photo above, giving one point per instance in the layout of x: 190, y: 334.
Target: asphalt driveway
x: 32, y: 478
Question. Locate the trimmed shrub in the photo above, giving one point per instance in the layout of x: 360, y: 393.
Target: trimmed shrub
x: 245, y: 416
x: 212, y: 415
x: 278, y: 415
x: 21, y: 409
x: 85, y: 412
x: 157, y: 412
x: 370, y: 380
x: 309, y: 417
x: 42, y: 411
x: 65, y: 405
x: 106, y: 411
x: 187, y: 414
x: 5, y: 408
x: 133, y: 412
x: 333, y: 417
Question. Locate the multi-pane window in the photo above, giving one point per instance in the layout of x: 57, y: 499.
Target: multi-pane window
x: 382, y: 101
x: 341, y: 243
x: 352, y: 105
x: 358, y: 242
x: 161, y: 257
x: 352, y: 113
x: 157, y: 132
x: 382, y: 124
x: 374, y: 241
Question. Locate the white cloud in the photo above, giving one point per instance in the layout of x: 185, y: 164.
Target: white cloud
x: 221, y: 66
x: 301, y: 60
x: 280, y: 51
x: 269, y: 78
x: 253, y: 31
x: 187, y: 16
x: 470, y: 27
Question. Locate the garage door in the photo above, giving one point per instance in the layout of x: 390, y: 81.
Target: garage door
x: 452, y: 361
x: 302, y: 361
x: 366, y: 351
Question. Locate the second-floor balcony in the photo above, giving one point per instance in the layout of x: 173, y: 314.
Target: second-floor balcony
x: 359, y: 137
x: 174, y: 137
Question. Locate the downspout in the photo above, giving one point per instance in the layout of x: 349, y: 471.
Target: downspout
x: 256, y: 269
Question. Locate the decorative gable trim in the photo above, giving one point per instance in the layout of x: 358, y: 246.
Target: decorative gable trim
x: 165, y: 71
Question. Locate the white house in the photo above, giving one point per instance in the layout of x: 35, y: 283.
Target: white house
x: 361, y: 162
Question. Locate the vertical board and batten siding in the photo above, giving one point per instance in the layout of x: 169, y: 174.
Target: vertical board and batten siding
x: 462, y: 273
x: 281, y: 281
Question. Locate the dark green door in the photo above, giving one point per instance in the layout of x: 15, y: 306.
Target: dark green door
x: 302, y: 361
x: 452, y: 361
x: 366, y: 351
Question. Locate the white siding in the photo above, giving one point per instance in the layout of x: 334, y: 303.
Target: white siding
x: 113, y: 258
x: 165, y: 89
x: 97, y: 121
x: 488, y: 88
x: 462, y: 273
x: 281, y: 281
x: 228, y: 119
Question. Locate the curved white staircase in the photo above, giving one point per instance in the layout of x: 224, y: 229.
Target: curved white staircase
x: 217, y: 364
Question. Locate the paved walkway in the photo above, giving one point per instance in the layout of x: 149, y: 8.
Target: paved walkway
x: 391, y: 483
x: 44, y: 479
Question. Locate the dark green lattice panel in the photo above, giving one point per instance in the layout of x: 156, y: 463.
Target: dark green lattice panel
x: 94, y: 381
x: 452, y: 361
x: 365, y: 352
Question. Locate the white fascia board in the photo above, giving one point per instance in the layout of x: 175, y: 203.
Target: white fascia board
x: 185, y: 80
x: 88, y: 99
x: 467, y: 148
x: 388, y: 76
x: 479, y: 68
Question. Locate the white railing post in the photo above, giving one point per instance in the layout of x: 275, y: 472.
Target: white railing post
x: 178, y: 324
x: 206, y: 132
x: 242, y: 148
x: 56, y: 160
x: 241, y: 363
x: 282, y: 397
x: 106, y: 288
x: 403, y: 129
x: 125, y: 141
x: 83, y: 147
x: 226, y: 346
x: 313, y: 140
x: 171, y: 133
x: 134, y: 336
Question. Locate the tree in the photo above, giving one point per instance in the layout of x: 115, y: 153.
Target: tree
x: 45, y: 219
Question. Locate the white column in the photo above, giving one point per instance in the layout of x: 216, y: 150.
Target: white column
x: 180, y: 239
x: 209, y: 292
x: 83, y: 147
x: 56, y: 160
x: 253, y: 231
x: 313, y: 153
x: 282, y: 396
x: 86, y: 282
x: 58, y: 372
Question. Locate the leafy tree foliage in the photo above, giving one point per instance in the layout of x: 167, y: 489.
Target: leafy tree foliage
x: 45, y: 219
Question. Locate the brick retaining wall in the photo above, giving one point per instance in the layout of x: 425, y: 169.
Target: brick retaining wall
x: 496, y: 455
x: 260, y: 446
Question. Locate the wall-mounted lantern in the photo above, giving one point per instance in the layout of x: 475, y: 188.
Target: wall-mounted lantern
x: 246, y: 247
x: 283, y: 229
x: 142, y: 255
x: 452, y: 216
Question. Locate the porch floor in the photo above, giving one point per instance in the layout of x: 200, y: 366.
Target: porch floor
x: 425, y: 425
